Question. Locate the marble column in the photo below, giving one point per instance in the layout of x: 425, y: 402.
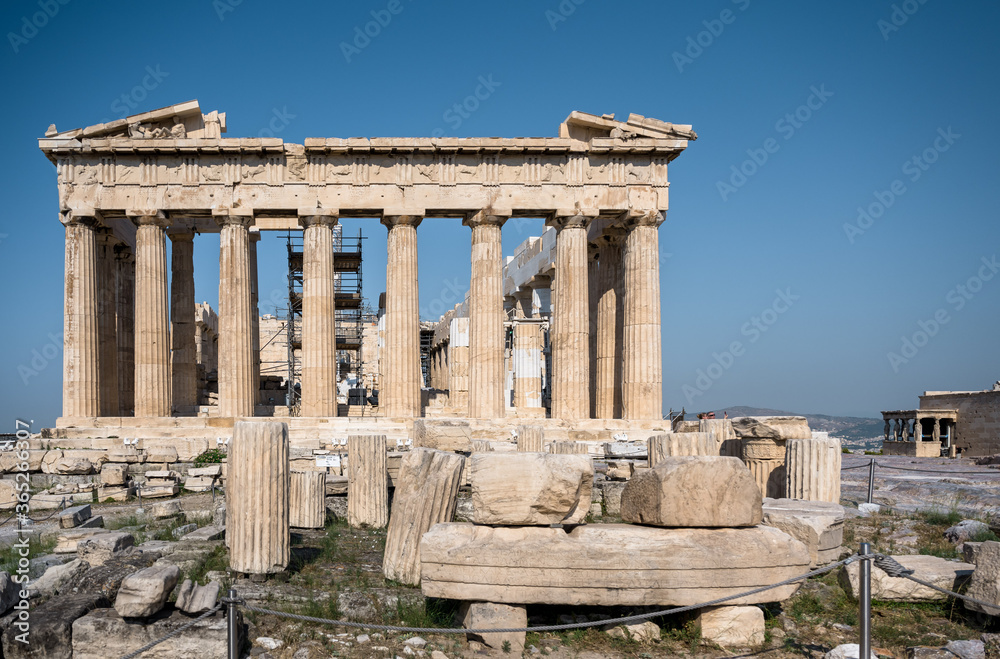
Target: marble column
x: 486, y: 318
x: 642, y: 371
x: 593, y: 292
x: 237, y: 393
x: 458, y: 363
x: 610, y: 319
x: 125, y: 319
x: 153, y: 391
x: 571, y: 321
x: 182, y: 322
x: 107, y: 322
x: 81, y: 392
x: 319, y: 340
x: 255, y: 316
x: 527, y: 365
x: 399, y: 394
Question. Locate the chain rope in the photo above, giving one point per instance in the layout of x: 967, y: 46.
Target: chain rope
x: 177, y: 631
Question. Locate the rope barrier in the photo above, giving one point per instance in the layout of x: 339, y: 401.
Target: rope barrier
x: 174, y: 633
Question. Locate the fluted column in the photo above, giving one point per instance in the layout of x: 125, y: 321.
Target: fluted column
x: 81, y: 393
x: 610, y: 315
x: 486, y: 318
x: 125, y: 319
x: 399, y: 394
x: 527, y: 365
x: 236, y: 346
x: 182, y: 321
x: 107, y: 323
x: 319, y: 340
x: 812, y: 469
x: 255, y: 316
x: 571, y: 321
x: 593, y: 293
x: 642, y: 372
x: 152, y: 326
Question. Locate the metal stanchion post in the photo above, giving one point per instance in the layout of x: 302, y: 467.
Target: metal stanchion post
x: 871, y: 480
x: 865, y: 603
x: 232, y: 626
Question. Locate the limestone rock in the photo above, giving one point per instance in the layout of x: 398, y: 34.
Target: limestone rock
x: 52, y: 627
x: 641, y: 632
x: 165, y: 509
x: 985, y: 582
x: 114, y: 474
x: 199, y: 483
x: 71, y: 466
x: 73, y: 517
x: 101, y: 548
x: 426, y: 494
x: 161, y: 454
x: 307, y: 499
x: 443, y: 434
x: 144, y: 593
x: 607, y: 564
x: 67, y: 541
x: 208, y: 471
x: 700, y: 491
x: 10, y: 593
x: 676, y: 444
x: 612, y: 497
x: 486, y: 615
x: 192, y: 598
x: 732, y: 626
x: 965, y: 530
x: 938, y: 571
x: 846, y: 651
x: 818, y: 524
x: 530, y: 488
x: 8, y: 494
x: 205, y: 534
x: 568, y: 448
x: 772, y: 427
x: 368, y: 481
x: 970, y: 550
x: 159, y: 490
x: 56, y: 577
x: 11, y: 463
x: 812, y: 469
x: 103, y: 633
x: 530, y: 439
x: 620, y: 470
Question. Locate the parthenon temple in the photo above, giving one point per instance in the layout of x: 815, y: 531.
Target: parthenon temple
x: 133, y: 342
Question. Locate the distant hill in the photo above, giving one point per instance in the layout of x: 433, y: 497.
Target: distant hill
x: 852, y: 430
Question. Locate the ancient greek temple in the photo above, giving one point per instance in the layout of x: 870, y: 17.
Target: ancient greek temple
x: 127, y: 186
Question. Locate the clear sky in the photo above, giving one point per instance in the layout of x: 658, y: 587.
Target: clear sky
x: 806, y: 113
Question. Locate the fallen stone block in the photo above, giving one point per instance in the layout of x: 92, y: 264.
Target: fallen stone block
x: 8, y: 494
x: 11, y: 463
x: 51, y: 628
x: 620, y: 470
x: 72, y: 517
x: 607, y: 564
x: 158, y: 490
x: 847, y: 651
x: 55, y: 578
x: 161, y: 454
x: 205, y: 534
x: 101, y: 548
x: 183, y: 530
x: 144, y: 593
x: 568, y: 448
x: 772, y: 427
x: 68, y: 541
x: 115, y: 493
x: 985, y: 582
x: 336, y: 485
x: 211, y: 470
x: 678, y: 444
x: 612, y: 491
x: 443, y: 434
x: 696, y: 491
x: 164, y: 509
x: 530, y: 488
x: 104, y: 633
x: 732, y: 626
x: 641, y: 632
x: 818, y: 524
x: 199, y: 483
x: 965, y: 530
x: 125, y: 455
x: 938, y: 571
x: 163, y: 474
x: 10, y: 593
x: 114, y: 474
x: 95, y: 522
x: 970, y: 550
x: 53, y: 501
x: 192, y: 598
x: 485, y: 615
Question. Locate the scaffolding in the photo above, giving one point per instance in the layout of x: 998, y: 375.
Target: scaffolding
x: 347, y: 258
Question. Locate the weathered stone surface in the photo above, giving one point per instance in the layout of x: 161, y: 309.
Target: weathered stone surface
x: 307, y: 499
x: 68, y: 466
x: 985, y: 582
x: 114, y: 474
x: 199, y: 483
x: 426, y: 494
x: 722, y: 435
x: 205, y: 534
x: 144, y: 593
x: 51, y: 627
x: 257, y: 530
x: 56, y: 577
x: 9, y: 593
x: 530, y: 488
x: 530, y: 439
x: 368, y: 481
x: 103, y: 633
x: 162, y: 454
x: 8, y: 494
x: 772, y: 427
x: 620, y: 470
x: 164, y: 509
x: 11, y: 463
x: 676, y: 444
x: 732, y: 626
x: 481, y: 446
x: 607, y: 564
x: 192, y: 598
x: 965, y: 530
x: 73, y: 517
x: 67, y: 541
x: 568, y: 448
x: 159, y: 490
x: 812, y: 469
x: 847, y: 651
x: 612, y: 498
x: 938, y: 571
x: 210, y: 470
x: 641, y: 632
x: 818, y: 524
x: 486, y: 615
x: 970, y: 550
x: 101, y: 548
x: 443, y: 434
x: 696, y: 491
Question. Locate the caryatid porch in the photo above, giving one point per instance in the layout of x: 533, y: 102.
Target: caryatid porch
x: 126, y: 186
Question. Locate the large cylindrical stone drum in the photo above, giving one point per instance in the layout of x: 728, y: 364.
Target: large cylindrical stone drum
x: 368, y: 481
x: 568, y: 448
x: 812, y: 469
x: 307, y: 501
x: 675, y: 444
x: 257, y: 506
x: 723, y: 436
x: 765, y: 458
x: 530, y: 439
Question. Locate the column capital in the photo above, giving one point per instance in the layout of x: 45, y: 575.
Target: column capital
x: 181, y: 235
x: 487, y: 217
x: 652, y: 218
x: 571, y: 220
x: 391, y: 221
x: 254, y: 235
x: 318, y: 217
x: 233, y: 216
x: 83, y: 216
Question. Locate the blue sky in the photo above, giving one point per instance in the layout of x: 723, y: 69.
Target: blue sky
x: 823, y: 106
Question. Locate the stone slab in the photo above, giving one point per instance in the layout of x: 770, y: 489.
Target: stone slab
x: 938, y: 571
x: 103, y: 633
x: 818, y: 524
x: 772, y: 427
x: 530, y: 488
x: 73, y: 517
x: 732, y: 626
x: 144, y: 593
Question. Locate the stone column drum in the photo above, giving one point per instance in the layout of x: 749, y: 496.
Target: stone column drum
x: 125, y: 319
x: 610, y: 318
x: 153, y: 386
x: 570, y: 329
x: 237, y: 390
x: 812, y: 469
x: 723, y: 436
x: 486, y: 318
x: 319, y: 340
x: 182, y: 322
x: 593, y: 293
x: 399, y: 395
x: 458, y: 364
x: 642, y: 371
x: 530, y: 439
x: 81, y: 394
x: 368, y: 481
x: 107, y: 323
x: 678, y: 444
x: 765, y: 458
x: 307, y: 499
x: 257, y: 508
x: 527, y: 365
x: 254, y: 318
x: 569, y: 448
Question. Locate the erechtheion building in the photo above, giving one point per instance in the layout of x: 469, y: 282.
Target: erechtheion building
x: 132, y: 349
x: 946, y: 423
